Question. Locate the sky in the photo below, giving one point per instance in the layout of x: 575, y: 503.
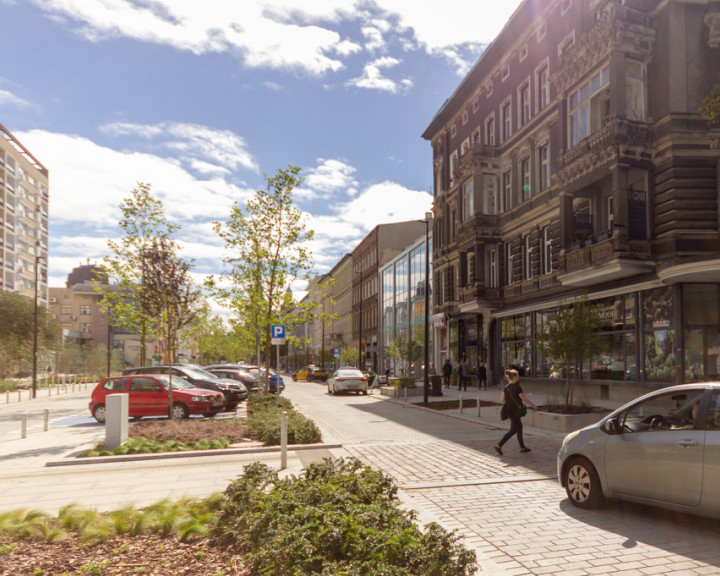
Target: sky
x: 200, y: 99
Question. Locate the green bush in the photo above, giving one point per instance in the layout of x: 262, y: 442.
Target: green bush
x: 264, y: 415
x: 338, y: 518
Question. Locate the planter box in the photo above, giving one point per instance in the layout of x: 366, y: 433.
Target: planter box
x: 564, y: 423
x: 397, y: 392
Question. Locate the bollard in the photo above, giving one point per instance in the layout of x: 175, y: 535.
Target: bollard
x: 23, y: 426
x: 478, y: 406
x: 461, y: 406
x: 19, y: 395
x: 7, y: 397
x: 47, y: 419
x: 283, y: 440
x: 405, y: 393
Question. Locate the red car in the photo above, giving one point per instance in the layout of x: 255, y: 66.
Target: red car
x: 148, y: 396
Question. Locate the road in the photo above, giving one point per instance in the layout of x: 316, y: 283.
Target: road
x: 511, y: 510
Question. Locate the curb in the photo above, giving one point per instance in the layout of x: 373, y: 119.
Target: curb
x: 76, y: 461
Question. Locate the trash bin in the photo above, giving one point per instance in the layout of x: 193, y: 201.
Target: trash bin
x: 436, y: 385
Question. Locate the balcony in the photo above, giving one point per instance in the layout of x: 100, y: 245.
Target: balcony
x: 597, y: 262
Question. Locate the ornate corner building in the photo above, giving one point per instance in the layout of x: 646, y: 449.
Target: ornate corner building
x: 572, y: 160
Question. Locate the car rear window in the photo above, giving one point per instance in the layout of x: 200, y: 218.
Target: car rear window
x: 116, y: 385
x: 142, y: 384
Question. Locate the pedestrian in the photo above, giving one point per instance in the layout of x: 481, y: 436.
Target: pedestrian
x: 446, y: 372
x: 512, y: 399
x: 482, y: 377
x: 433, y: 372
x: 462, y: 371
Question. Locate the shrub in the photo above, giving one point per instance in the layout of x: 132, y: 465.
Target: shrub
x: 264, y: 415
x: 339, y: 517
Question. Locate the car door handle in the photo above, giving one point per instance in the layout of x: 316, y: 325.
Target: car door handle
x: 688, y: 442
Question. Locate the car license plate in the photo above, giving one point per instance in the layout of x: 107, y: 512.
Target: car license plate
x: 215, y: 404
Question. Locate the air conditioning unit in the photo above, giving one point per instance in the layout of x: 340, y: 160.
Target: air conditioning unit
x: 52, y: 299
x: 73, y: 317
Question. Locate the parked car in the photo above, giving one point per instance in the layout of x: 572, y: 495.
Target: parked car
x: 148, y: 396
x: 275, y: 381
x: 348, y: 379
x: 234, y: 392
x: 235, y: 372
x: 661, y: 449
x: 311, y: 374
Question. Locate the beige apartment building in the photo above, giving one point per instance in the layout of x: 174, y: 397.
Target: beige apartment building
x: 24, y: 203
x: 572, y: 160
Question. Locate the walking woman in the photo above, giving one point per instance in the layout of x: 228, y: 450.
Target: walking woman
x: 512, y: 398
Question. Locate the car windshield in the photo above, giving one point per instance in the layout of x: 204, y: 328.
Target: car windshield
x: 197, y: 372
x: 178, y: 383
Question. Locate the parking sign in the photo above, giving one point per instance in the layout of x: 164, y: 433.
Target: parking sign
x: 277, y: 334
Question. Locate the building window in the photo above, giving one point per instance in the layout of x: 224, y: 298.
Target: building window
x: 476, y: 105
x: 85, y: 328
x: 464, y: 118
x: 634, y: 90
x: 610, y: 215
x: 489, y: 194
x: 565, y: 6
x: 566, y: 43
x: 506, y: 71
x: 507, y: 191
x: 453, y: 131
x: 510, y: 275
x: 454, y: 222
x: 468, y: 201
x: 542, y: 82
x: 524, y: 103
x: 523, y: 52
x: 453, y: 167
x: 528, y: 264
x: 544, y: 163
x: 85, y: 309
x: 541, y: 31
x: 525, y: 178
x: 547, y: 250
x: 506, y: 120
x: 476, y: 136
x: 465, y: 147
x: 588, y: 106
x: 490, y: 130
x: 493, y: 268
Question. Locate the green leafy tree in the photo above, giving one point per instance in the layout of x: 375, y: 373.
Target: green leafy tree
x: 17, y: 315
x: 266, y: 245
x: 349, y: 356
x: 168, y: 292
x: 567, y: 340
x: 710, y: 106
x: 404, y: 350
x: 143, y: 220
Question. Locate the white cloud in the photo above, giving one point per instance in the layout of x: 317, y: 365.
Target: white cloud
x: 329, y: 177
x: 300, y: 35
x: 373, y: 79
x: 9, y: 99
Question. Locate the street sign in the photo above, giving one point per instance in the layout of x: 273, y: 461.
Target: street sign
x: 335, y: 351
x: 277, y: 334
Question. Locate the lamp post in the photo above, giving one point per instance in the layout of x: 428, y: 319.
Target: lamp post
x: 360, y: 366
x: 426, y: 383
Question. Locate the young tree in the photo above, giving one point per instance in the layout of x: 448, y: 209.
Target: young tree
x: 349, y: 356
x: 710, y: 106
x: 405, y: 350
x: 143, y: 220
x: 266, y: 245
x: 569, y: 339
x: 168, y: 293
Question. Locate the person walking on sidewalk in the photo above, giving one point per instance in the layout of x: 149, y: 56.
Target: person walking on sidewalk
x: 462, y: 371
x: 482, y: 377
x: 446, y: 372
x: 512, y: 399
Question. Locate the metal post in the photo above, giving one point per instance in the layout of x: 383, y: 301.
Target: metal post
x: 47, y: 419
x: 478, y: 407
x: 23, y: 425
x: 426, y: 382
x: 461, y: 404
x: 283, y: 440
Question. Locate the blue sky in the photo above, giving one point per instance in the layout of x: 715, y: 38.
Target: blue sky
x: 200, y: 98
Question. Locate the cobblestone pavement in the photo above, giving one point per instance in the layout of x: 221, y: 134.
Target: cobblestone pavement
x: 511, y: 510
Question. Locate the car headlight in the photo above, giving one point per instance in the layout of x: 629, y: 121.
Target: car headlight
x: 199, y: 399
x: 570, y: 436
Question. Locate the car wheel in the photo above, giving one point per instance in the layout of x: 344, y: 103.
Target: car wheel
x: 180, y: 411
x: 99, y: 413
x: 582, y: 484
x: 364, y: 392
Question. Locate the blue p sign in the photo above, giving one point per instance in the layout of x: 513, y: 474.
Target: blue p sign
x: 277, y: 331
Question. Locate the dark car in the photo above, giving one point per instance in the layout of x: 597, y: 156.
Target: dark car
x: 148, y: 396
x: 235, y: 372
x: 275, y: 381
x: 234, y: 392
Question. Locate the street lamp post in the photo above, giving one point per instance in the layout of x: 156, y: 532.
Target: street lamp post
x: 360, y: 366
x: 426, y: 383
x: 35, y: 329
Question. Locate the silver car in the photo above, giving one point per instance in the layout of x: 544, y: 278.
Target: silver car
x: 347, y: 379
x: 661, y: 449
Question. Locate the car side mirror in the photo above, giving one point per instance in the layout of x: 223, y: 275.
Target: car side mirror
x: 612, y: 426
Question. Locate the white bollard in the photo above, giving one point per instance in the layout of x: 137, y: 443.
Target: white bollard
x: 405, y: 394
x: 283, y: 440
x: 47, y: 419
x: 23, y: 425
x: 19, y: 395
x: 7, y: 396
x: 478, y: 406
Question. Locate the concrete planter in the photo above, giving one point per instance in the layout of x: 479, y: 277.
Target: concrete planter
x: 564, y: 423
x: 397, y: 392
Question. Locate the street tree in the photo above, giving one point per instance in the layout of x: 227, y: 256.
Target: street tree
x: 567, y: 338
x: 17, y: 314
x: 266, y: 252
x: 405, y: 350
x: 168, y: 293
x: 710, y: 106
x: 122, y: 298
x: 349, y: 356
